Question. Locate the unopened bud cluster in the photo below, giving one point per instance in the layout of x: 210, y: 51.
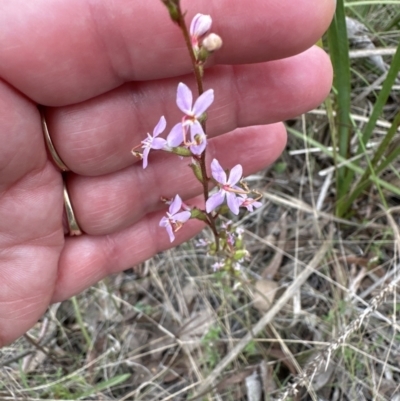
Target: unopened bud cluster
x: 203, y: 42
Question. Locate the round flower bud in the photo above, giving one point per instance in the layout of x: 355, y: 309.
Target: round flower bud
x: 200, y: 25
x: 212, y: 42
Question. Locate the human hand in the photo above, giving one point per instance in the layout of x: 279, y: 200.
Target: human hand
x: 106, y: 72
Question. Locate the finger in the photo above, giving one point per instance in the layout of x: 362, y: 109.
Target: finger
x: 31, y: 233
x: 95, y: 137
x: 87, y: 259
x: 78, y: 49
x: 110, y: 203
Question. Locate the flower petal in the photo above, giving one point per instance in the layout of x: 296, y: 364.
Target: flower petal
x: 215, y: 200
x: 170, y: 232
x: 235, y: 175
x: 197, y: 136
x: 164, y: 222
x: 175, y: 137
x: 198, y: 149
x: 145, y: 155
x: 255, y: 205
x: 200, y: 24
x: 250, y: 204
x: 184, y: 99
x: 160, y: 127
x: 233, y: 202
x: 203, y: 102
x: 217, y: 172
x: 217, y: 265
x: 182, y: 217
x: 175, y: 206
x: 158, y: 143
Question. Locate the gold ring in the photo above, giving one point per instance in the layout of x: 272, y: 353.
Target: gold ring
x: 57, y: 159
x: 74, y: 229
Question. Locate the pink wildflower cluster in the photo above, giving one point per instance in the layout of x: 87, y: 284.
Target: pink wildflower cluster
x: 188, y: 138
x: 188, y: 133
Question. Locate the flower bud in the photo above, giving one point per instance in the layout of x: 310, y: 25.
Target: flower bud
x: 196, y: 168
x: 200, y: 25
x: 212, y: 42
x: 239, y: 242
x: 240, y: 254
x: 173, y: 8
x: 196, y: 213
x: 181, y: 151
x: 209, y: 44
x: 212, y: 249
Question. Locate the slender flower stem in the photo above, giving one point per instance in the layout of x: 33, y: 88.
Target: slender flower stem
x: 199, y: 80
x: 188, y: 41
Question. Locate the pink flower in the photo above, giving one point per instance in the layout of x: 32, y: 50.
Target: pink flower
x: 228, y: 188
x: 184, y: 100
x: 152, y: 142
x: 190, y: 122
x: 248, y: 203
x: 198, y: 139
x: 174, y: 219
x: 217, y: 266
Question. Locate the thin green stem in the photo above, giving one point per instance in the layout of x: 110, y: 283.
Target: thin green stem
x: 373, y: 169
x: 339, y: 52
x: 380, y: 102
x: 199, y: 80
x: 81, y: 324
x: 188, y: 41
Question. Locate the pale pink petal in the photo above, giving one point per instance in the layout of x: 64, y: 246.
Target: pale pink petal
x: 217, y: 172
x: 200, y: 25
x: 164, y: 222
x: 160, y: 127
x: 182, y: 217
x: 170, y: 232
x: 175, y: 137
x: 184, y: 99
x: 203, y: 103
x: 158, y: 143
x: 145, y: 156
x: 175, y: 206
x: 217, y: 265
x: 199, y: 149
x: 235, y: 175
x: 233, y: 202
x: 215, y: 200
x: 255, y: 205
x: 197, y: 130
x: 250, y: 204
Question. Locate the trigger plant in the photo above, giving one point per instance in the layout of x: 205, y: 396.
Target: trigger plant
x: 187, y: 138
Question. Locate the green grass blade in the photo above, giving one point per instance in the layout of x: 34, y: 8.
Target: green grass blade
x: 339, y: 53
x: 350, y: 165
x: 382, y: 97
x: 393, y: 22
x: 387, y: 140
x: 343, y: 203
x: 81, y: 324
x: 370, y: 2
x: 365, y: 181
x: 114, y: 381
